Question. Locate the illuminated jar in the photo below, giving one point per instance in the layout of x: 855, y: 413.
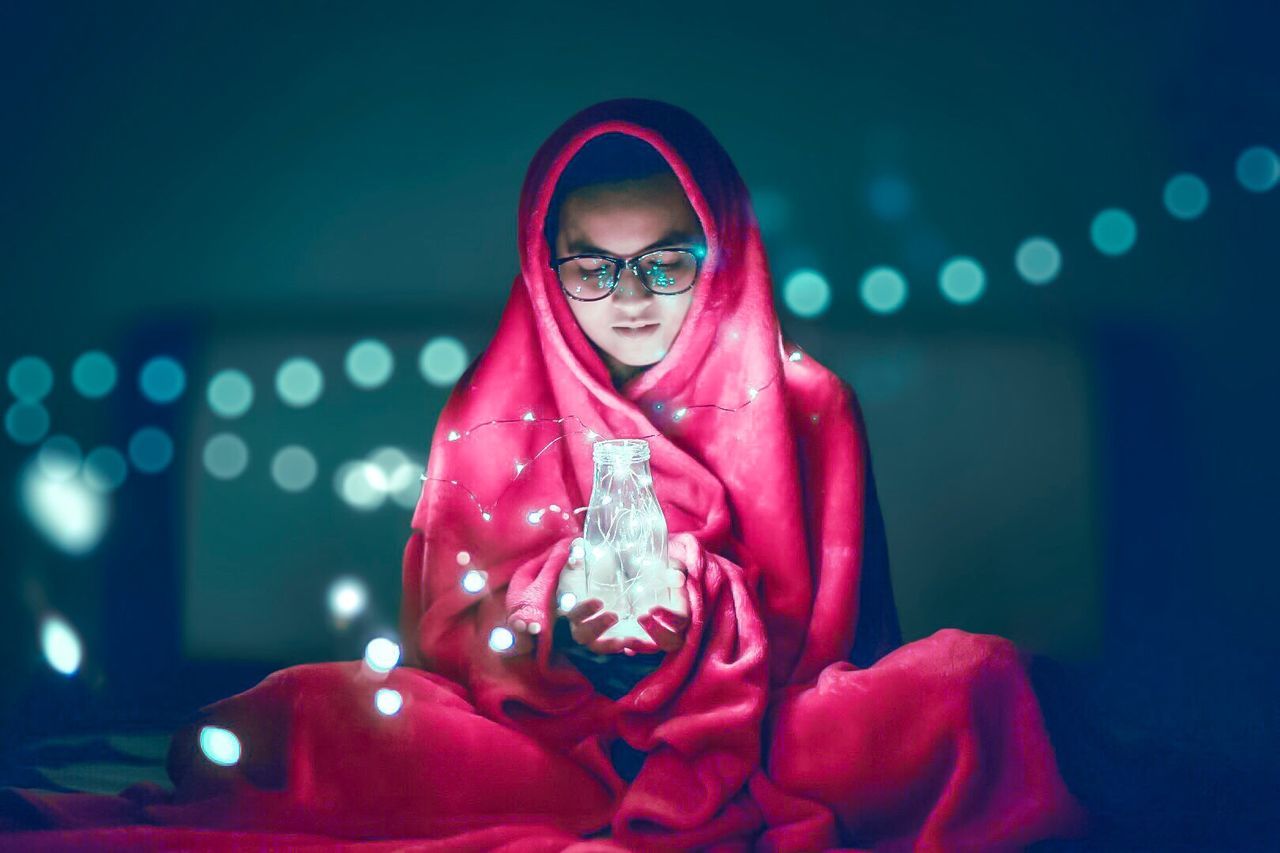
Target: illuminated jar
x: 625, y: 536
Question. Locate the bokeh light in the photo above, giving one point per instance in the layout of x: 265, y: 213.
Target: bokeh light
x: 473, y: 581
x: 1258, y: 169
x: 883, y: 289
x: 150, y: 450
x: 26, y: 422
x: 299, y: 382
x: 1038, y: 260
x: 442, y: 361
x: 369, y: 363
x: 890, y: 198
x: 94, y: 374
x: 293, y: 468
x: 1186, y: 196
x: 568, y: 601
x: 348, y: 597
x: 1113, y: 231
x: 806, y: 293
x: 61, y: 645
x: 401, y: 476
x: 501, y: 639
x: 162, y: 379
x: 381, y: 654
x: 219, y: 745
x: 59, y: 458
x: 388, y: 701
x: 104, y: 469
x: 226, y: 456
x: 30, y: 378
x: 361, y: 484
x: 962, y: 280
x: 230, y: 393
x: 66, y: 512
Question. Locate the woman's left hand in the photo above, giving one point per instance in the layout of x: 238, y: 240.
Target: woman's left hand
x: 666, y: 625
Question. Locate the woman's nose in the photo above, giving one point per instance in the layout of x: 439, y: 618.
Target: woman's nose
x: 630, y: 288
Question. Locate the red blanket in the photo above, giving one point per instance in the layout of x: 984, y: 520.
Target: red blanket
x: 758, y: 731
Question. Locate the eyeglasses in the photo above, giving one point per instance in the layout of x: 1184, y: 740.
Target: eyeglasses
x: 665, y: 272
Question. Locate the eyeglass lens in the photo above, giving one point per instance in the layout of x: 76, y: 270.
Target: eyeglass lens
x: 667, y: 271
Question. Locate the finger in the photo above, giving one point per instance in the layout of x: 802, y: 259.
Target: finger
x: 664, y: 638
x: 584, y: 609
x: 670, y: 620
x: 609, y: 646
x: 588, y: 632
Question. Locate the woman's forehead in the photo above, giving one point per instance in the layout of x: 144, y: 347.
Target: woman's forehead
x: 617, y: 220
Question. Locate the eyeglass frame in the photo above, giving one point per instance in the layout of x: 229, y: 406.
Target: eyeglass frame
x: 697, y: 250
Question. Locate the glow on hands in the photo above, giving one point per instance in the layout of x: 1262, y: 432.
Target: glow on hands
x: 589, y: 618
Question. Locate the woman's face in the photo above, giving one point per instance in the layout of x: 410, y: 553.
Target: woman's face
x: 623, y: 220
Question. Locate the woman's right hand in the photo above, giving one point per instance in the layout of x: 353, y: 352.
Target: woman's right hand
x: 588, y: 618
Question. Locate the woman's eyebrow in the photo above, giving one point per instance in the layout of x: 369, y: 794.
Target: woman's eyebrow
x: 671, y: 237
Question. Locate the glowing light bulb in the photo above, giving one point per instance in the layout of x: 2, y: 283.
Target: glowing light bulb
x: 577, y: 552
x: 528, y: 416
x: 795, y: 356
x: 61, y: 645
x: 486, y: 516
x: 519, y: 467
x: 751, y: 392
x: 473, y: 581
x: 567, y: 602
x: 592, y: 435
x: 453, y: 435
x: 347, y: 598
x: 679, y: 413
x: 554, y: 507
x: 501, y: 639
x: 535, y: 516
x: 388, y: 701
x: 220, y: 745
x: 464, y: 557
x: 382, y: 654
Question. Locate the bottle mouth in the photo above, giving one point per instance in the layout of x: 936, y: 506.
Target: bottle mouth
x: 620, y: 451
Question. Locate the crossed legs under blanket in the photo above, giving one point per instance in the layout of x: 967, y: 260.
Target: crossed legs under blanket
x: 939, y: 745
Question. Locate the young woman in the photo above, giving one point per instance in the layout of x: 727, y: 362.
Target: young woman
x: 771, y: 705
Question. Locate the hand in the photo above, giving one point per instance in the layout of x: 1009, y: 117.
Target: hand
x: 667, y: 625
x: 588, y: 618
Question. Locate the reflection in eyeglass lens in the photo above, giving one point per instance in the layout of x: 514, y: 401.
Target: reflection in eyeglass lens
x: 664, y: 271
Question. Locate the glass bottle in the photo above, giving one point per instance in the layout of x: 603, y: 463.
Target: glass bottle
x: 625, y: 536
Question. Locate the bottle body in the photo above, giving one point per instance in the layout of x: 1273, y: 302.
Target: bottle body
x: 625, y: 535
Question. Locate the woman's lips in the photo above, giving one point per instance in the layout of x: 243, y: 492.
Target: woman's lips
x: 638, y: 331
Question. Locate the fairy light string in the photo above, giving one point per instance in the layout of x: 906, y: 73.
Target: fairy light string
x: 473, y: 579
x: 534, y: 516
